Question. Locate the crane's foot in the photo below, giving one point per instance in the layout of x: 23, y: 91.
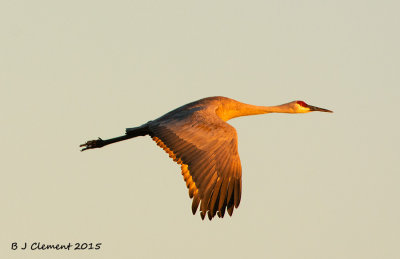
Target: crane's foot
x: 98, y: 143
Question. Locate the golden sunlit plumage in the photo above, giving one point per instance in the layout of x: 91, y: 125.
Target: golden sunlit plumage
x: 187, y: 177
x: 197, y: 137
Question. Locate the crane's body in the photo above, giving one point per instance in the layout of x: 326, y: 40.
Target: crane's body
x: 197, y: 137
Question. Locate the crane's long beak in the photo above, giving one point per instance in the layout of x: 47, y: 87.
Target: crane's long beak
x: 317, y: 109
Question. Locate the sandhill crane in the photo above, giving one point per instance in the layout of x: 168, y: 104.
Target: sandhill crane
x: 197, y: 137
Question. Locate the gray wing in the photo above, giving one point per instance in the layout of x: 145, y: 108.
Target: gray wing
x: 206, y: 148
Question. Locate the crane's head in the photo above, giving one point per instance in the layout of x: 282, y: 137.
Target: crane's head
x: 302, y: 107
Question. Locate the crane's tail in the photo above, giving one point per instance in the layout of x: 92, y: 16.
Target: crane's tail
x: 130, y: 133
x: 138, y: 131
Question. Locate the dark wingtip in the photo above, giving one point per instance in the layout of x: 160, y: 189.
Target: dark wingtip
x: 195, y: 203
x: 230, y: 211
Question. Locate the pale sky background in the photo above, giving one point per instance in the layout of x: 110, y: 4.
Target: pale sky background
x: 315, y: 186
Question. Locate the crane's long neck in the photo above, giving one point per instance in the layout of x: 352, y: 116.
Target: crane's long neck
x: 235, y: 109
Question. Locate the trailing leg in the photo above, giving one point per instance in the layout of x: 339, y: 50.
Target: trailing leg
x: 130, y: 133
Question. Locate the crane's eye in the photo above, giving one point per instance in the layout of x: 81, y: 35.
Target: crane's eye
x: 301, y: 103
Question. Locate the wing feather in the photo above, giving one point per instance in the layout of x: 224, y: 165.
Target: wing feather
x: 237, y: 191
x: 215, y: 197
x: 230, y: 196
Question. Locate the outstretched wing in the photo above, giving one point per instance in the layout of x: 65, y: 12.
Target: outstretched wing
x: 206, y: 148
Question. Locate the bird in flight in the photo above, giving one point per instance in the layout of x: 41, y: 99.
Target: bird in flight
x: 198, y: 138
